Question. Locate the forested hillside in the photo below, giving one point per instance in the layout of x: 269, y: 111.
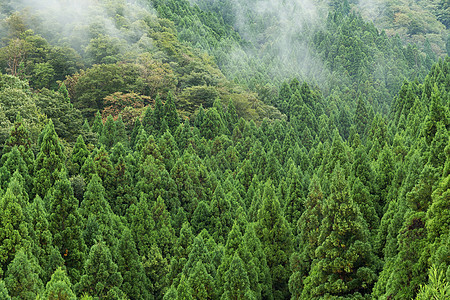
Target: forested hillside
x: 224, y: 149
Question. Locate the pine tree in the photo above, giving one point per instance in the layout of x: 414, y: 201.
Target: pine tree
x: 124, y: 195
x: 163, y: 231
x: 88, y: 169
x: 18, y: 136
x: 89, y: 136
x: 134, y: 133
x: 169, y: 150
x: 201, y: 282
x: 3, y: 291
x: 258, y: 270
x: 344, y: 262
x: 65, y: 224
x: 191, y: 179
x: 155, y: 181
x: 199, y: 117
x: 13, y: 229
x: 135, y: 283
x: 97, y: 126
x: 384, y: 175
x: 184, y: 290
x: 79, y: 155
x: 212, y: 124
x: 105, y: 170
x: 59, y: 287
x: 108, y: 136
x: 237, y: 285
x: 363, y: 199
x: 171, y: 114
x: 21, y: 278
x: 199, y: 253
x: 294, y: 202
x: 221, y: 216
x: 184, y: 135
x: 95, y: 204
x: 49, y: 161
x: 101, y: 276
x: 361, y: 117
x: 232, y: 115
x: 40, y: 235
x: 436, y: 115
x: 201, y: 218
x: 157, y: 270
x: 120, y: 132
x: 142, y: 225
x: 436, y: 288
x: 156, y: 119
x: 13, y: 162
x: 308, y: 228
x: 276, y: 237
x: 63, y: 91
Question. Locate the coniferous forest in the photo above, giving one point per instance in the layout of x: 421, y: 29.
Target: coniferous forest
x: 205, y: 149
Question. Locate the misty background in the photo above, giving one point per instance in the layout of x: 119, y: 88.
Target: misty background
x: 268, y: 42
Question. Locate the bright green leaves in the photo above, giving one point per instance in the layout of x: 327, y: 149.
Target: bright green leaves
x: 59, y: 286
x: 101, y: 276
x: 49, y: 161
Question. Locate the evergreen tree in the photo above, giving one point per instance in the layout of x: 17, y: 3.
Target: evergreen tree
x: 142, y: 225
x: 212, y: 124
x: 49, y: 161
x: 344, y: 262
x: 40, y: 235
x: 199, y: 253
x: 361, y: 117
x: 157, y: 270
x: 201, y: 282
x: 171, y: 294
x: 97, y: 125
x: 134, y: 133
x: 293, y: 207
x: 163, y: 231
x: 308, y: 228
x: 260, y: 277
x: 14, y: 231
x: 156, y: 119
x: 88, y: 169
x: 3, y: 291
x: 124, y: 195
x: 120, y: 132
x: 79, y: 155
x: 59, y: 287
x: 184, y: 290
x: 436, y: 288
x: 169, y: 150
x: 94, y: 204
x: 135, y: 283
x: 147, y: 121
x: 171, y: 114
x: 19, y: 135
x: 237, y: 285
x: 436, y: 115
x: 105, y: 170
x: 221, y: 215
x: 21, y: 278
x: 101, y: 276
x: 108, y: 136
x: 232, y: 115
x: 276, y: 237
x: 13, y: 162
x: 65, y: 224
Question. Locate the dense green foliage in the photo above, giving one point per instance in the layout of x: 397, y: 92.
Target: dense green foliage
x: 184, y: 152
